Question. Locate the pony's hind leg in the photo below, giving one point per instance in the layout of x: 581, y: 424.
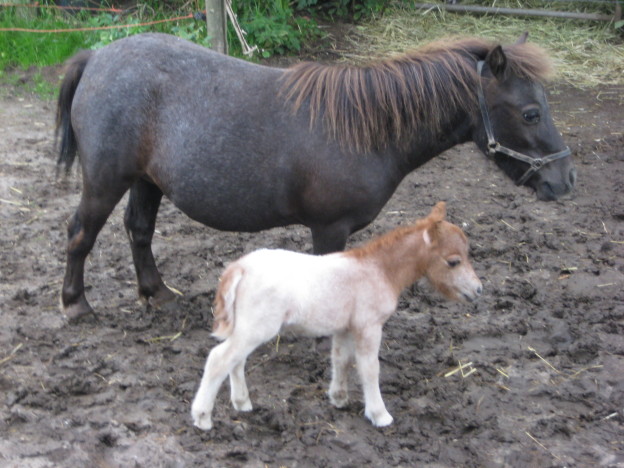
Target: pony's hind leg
x: 140, y: 222
x: 82, y: 231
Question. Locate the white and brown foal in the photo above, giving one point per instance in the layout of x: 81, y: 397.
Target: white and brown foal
x: 348, y: 295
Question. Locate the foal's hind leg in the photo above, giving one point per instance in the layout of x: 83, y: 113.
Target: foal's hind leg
x: 229, y: 358
x: 140, y: 222
x: 341, y: 357
x: 239, y: 394
x: 82, y: 231
x: 224, y: 359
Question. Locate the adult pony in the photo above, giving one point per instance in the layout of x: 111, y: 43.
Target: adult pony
x: 243, y: 147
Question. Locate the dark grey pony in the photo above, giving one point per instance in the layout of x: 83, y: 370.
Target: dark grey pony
x: 244, y: 147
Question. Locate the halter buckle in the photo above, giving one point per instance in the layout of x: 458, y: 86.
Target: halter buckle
x: 537, y: 164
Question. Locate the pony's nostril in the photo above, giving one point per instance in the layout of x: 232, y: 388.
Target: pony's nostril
x: 479, y: 290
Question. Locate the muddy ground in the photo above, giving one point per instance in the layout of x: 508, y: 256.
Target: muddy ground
x: 543, y: 349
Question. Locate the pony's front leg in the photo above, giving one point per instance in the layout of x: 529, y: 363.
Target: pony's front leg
x: 239, y: 394
x: 341, y: 357
x: 367, y: 358
x: 330, y: 238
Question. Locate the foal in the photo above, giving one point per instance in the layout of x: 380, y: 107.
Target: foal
x: 348, y: 295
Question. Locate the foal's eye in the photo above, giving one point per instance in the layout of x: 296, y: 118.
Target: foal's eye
x: 531, y: 116
x: 453, y: 262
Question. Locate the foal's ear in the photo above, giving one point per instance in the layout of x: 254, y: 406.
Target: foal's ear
x: 438, y: 212
x: 497, y: 61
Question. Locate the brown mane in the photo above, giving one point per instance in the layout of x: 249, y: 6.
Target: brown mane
x: 370, y: 107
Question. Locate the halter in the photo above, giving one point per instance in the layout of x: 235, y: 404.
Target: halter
x: 494, y: 147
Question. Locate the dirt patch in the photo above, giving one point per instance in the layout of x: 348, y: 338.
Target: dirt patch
x: 546, y: 340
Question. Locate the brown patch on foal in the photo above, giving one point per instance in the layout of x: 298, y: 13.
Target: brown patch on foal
x: 223, y: 310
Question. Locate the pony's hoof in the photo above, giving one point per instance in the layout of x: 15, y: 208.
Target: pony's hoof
x: 161, y: 298
x: 78, y: 310
x: 202, y: 420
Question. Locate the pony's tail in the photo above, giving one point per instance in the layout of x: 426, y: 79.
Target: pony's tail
x: 224, y: 316
x: 74, y: 68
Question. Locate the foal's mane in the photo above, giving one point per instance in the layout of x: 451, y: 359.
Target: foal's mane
x: 372, y: 106
x: 387, y: 240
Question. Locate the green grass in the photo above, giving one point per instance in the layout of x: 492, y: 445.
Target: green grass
x: 25, y: 49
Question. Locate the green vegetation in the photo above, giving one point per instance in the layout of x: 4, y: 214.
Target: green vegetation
x: 25, y: 49
x: 586, y: 52
x: 274, y: 26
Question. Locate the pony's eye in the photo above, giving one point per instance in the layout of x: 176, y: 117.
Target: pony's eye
x: 453, y: 262
x: 531, y: 116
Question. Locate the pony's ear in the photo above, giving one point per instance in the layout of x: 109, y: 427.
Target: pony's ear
x: 497, y: 61
x: 523, y: 37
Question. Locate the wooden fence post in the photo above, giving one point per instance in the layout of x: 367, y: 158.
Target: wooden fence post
x: 216, y: 25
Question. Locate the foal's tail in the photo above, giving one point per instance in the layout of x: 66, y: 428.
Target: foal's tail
x: 223, y: 323
x: 73, y: 72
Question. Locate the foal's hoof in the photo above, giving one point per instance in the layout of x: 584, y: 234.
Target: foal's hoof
x: 244, y: 405
x: 339, y: 399
x: 381, y: 420
x: 202, y: 420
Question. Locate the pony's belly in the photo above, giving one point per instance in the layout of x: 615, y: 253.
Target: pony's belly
x: 230, y: 214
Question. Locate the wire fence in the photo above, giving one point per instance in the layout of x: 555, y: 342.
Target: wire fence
x: 97, y: 28
x: 60, y: 7
x: 74, y: 9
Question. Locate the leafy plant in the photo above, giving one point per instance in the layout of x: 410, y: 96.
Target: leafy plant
x: 106, y: 36
x: 273, y: 26
x: 346, y: 9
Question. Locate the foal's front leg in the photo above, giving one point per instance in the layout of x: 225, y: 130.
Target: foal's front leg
x: 367, y: 358
x: 342, y: 354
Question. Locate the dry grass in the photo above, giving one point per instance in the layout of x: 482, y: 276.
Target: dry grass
x: 586, y: 53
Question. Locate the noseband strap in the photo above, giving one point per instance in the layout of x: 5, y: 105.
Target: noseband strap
x: 494, y: 147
